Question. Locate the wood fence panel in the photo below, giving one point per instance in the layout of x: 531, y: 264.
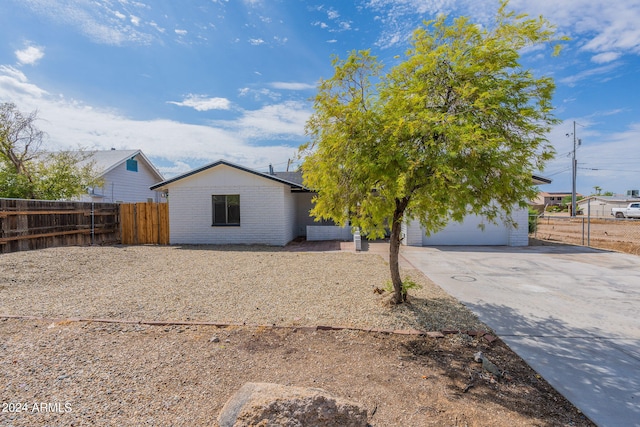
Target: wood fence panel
x: 163, y: 226
x: 39, y: 224
x: 145, y: 223
x: 127, y: 223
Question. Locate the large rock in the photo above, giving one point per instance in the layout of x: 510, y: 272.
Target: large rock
x: 265, y: 404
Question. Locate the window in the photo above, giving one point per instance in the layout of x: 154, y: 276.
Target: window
x: 226, y: 209
x: 132, y: 165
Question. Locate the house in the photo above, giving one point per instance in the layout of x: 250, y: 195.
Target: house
x: 224, y: 203
x: 600, y: 206
x: 127, y: 176
x: 545, y: 199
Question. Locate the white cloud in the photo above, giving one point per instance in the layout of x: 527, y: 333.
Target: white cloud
x: 94, y: 20
x: 203, y: 103
x: 70, y: 123
x: 30, y: 55
x: 291, y: 86
x: 599, y: 26
x: 14, y: 85
x: 256, y: 42
x: 180, y: 32
x: 135, y: 20
x: 605, y: 69
x: 604, y: 26
x: 605, y: 57
x: 281, y: 121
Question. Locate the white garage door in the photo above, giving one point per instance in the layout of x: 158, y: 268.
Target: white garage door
x: 468, y: 233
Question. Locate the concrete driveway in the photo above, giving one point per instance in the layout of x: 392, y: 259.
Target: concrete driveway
x: 572, y: 313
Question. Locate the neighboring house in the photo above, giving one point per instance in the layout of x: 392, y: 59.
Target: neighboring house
x: 127, y: 176
x: 550, y: 199
x: 600, y: 206
x: 224, y: 203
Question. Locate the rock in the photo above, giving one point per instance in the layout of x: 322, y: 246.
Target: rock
x: 274, y: 404
x: 487, y: 365
x: 214, y: 339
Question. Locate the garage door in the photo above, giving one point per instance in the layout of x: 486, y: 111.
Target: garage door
x: 468, y: 233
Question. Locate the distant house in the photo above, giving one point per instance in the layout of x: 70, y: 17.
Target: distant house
x: 224, y: 203
x: 550, y: 199
x: 600, y: 206
x: 127, y: 176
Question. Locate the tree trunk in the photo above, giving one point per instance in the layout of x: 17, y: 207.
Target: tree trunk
x: 394, y: 250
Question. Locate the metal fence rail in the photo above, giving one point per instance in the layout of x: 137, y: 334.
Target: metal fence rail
x: 603, y: 233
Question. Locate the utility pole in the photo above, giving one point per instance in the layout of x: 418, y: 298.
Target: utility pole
x: 575, y: 168
x: 574, y: 164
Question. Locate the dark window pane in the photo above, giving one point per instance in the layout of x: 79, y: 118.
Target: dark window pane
x: 219, y: 210
x: 226, y: 209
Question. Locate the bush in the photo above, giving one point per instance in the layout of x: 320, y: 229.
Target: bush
x: 533, y: 220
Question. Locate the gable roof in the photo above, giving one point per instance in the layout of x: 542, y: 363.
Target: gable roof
x: 107, y: 160
x: 276, y: 177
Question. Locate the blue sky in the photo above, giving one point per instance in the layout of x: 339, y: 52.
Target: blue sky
x: 191, y: 82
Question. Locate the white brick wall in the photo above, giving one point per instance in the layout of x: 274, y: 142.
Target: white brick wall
x: 266, y: 209
x: 520, y: 236
x: 412, y: 233
x: 468, y: 232
x: 328, y: 232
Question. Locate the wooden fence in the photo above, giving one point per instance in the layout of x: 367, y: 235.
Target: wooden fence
x: 145, y: 223
x: 38, y: 224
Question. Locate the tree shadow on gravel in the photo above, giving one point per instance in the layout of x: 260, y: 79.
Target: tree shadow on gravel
x: 437, y: 314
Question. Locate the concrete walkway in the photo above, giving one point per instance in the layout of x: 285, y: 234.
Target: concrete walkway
x: 572, y: 313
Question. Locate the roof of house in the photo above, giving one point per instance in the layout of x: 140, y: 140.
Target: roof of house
x: 107, y: 160
x: 539, y: 179
x: 611, y: 199
x: 286, y: 178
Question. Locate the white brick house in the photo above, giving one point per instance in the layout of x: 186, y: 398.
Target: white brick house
x: 223, y: 203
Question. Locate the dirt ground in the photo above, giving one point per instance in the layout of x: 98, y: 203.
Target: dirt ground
x: 611, y: 234
x: 76, y: 373
x: 113, y: 374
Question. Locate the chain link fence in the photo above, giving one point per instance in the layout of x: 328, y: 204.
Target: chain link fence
x: 603, y: 233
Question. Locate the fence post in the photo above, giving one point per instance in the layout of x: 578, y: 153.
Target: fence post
x: 589, y: 223
x: 582, y: 231
x: 93, y: 223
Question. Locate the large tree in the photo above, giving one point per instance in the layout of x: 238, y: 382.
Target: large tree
x: 26, y: 171
x: 455, y: 128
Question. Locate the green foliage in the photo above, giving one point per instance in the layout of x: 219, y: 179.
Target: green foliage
x: 533, y: 220
x: 28, y: 173
x: 457, y: 127
x: 407, y: 284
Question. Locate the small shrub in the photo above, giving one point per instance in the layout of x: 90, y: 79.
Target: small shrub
x: 406, y: 285
x: 533, y: 220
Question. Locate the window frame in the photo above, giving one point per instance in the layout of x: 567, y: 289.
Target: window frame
x: 227, y: 212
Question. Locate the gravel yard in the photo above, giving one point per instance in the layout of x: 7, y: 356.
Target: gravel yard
x: 254, y: 285
x: 90, y: 373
